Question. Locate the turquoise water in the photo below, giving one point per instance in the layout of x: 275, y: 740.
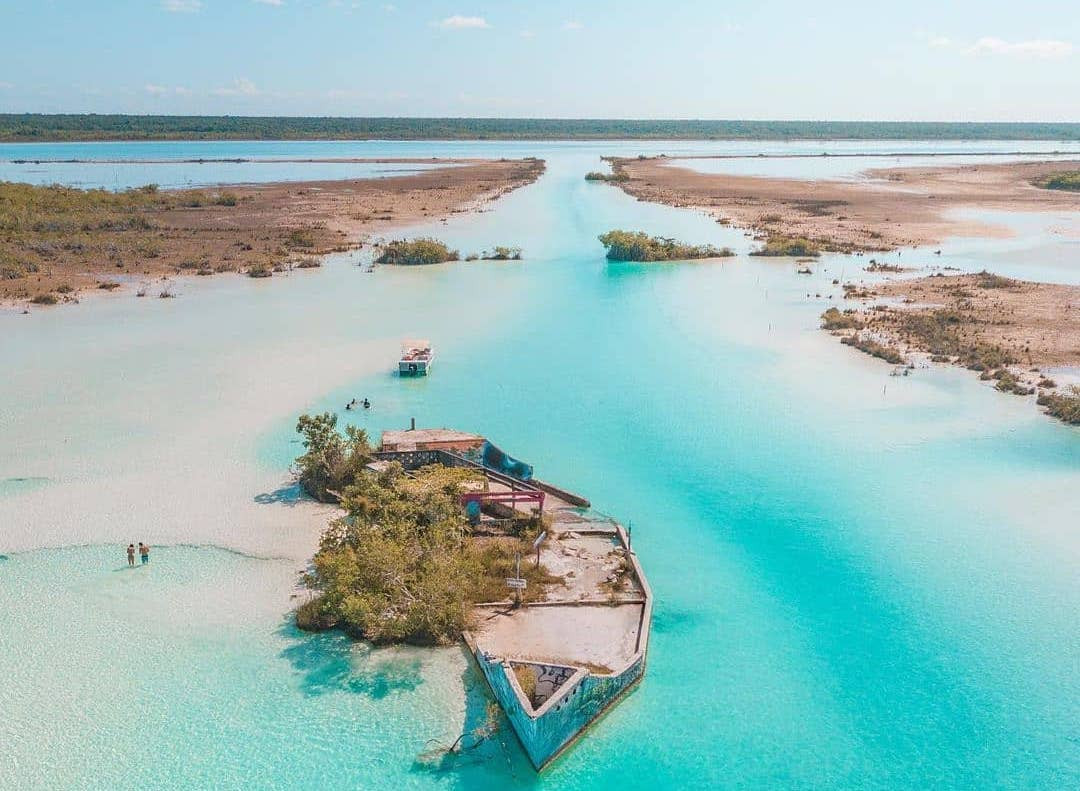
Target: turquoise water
x: 861, y: 581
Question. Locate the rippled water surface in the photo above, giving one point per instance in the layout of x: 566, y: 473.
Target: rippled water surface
x: 862, y: 581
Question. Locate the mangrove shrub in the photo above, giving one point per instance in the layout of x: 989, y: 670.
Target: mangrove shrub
x: 330, y: 461
x: 639, y: 246
x: 416, y: 252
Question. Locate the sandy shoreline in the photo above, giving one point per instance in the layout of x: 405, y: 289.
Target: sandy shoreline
x: 897, y: 207
x: 241, y: 227
x: 1017, y: 334
x: 1020, y: 335
x: 259, y: 160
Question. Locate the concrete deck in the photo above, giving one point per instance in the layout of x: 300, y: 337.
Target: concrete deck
x: 598, y: 636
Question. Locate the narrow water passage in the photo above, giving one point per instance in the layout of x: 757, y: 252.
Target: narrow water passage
x: 861, y: 581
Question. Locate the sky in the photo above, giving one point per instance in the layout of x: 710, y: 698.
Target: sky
x: 953, y: 60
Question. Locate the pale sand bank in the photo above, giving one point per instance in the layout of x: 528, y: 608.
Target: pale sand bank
x: 898, y: 207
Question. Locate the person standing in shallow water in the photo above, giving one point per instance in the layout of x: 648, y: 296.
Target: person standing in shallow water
x: 131, y: 554
x: 144, y: 552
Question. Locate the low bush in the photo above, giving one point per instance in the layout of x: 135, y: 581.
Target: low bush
x: 944, y: 333
x: 614, y: 178
x: 788, y: 246
x: 1008, y: 383
x: 1069, y: 181
x: 1065, y: 406
x: 300, y: 237
x: 874, y: 349
x: 989, y: 280
x: 834, y: 319
x: 639, y: 246
x: 499, y: 253
x: 416, y: 252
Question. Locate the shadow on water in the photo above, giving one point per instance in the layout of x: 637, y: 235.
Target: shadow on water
x: 487, y: 757
x: 283, y: 495
x: 676, y: 620
x: 333, y: 662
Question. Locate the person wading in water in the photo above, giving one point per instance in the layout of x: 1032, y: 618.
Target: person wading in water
x: 144, y: 552
x: 131, y: 554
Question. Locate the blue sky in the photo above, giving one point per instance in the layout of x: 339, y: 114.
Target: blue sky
x: 912, y: 60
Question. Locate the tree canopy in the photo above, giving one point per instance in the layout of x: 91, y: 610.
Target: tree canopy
x: 37, y: 127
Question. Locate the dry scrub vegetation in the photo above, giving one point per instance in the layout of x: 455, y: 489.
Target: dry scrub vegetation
x: 55, y: 241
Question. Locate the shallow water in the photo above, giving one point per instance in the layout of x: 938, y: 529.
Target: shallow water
x: 119, y: 165
x: 855, y: 168
x: 862, y: 581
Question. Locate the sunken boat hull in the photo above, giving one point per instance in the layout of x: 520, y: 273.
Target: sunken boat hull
x: 550, y: 702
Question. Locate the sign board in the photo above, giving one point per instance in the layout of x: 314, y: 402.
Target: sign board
x: 515, y: 582
x: 539, y: 539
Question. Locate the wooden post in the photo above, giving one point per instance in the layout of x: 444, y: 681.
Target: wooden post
x: 536, y: 545
x: 517, y: 575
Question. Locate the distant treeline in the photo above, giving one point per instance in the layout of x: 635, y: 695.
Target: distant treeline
x: 43, y: 128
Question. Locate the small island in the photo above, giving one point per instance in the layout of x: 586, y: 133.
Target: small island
x: 416, y: 252
x: 611, y: 178
x: 426, y: 250
x: 639, y: 246
x: 444, y: 537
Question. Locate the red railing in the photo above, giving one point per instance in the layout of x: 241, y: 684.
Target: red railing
x: 519, y: 496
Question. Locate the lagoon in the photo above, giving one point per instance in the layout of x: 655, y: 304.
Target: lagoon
x: 861, y: 581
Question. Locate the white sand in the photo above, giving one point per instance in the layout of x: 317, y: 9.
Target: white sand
x: 150, y: 429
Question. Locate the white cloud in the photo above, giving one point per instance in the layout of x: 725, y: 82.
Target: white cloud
x: 458, y: 22
x: 271, y: 2
x: 1034, y: 48
x: 389, y: 8
x: 527, y: 34
x: 240, y: 87
x: 155, y: 90
x: 182, y: 91
x: 182, y: 6
x: 572, y: 25
x: 991, y: 45
x: 6, y: 86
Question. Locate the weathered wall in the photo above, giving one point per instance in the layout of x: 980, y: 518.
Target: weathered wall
x: 544, y: 736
